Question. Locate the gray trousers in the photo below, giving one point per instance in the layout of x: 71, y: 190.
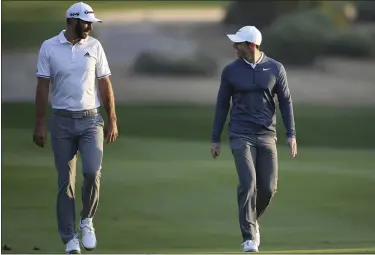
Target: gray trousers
x: 257, y: 168
x: 68, y: 137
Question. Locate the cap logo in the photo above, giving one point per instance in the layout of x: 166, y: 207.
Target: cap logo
x: 72, y: 14
x: 88, y: 12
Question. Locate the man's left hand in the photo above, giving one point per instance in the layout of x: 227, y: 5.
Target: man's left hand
x: 111, y: 131
x: 292, y: 143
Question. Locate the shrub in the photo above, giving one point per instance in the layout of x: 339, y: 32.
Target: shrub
x: 258, y: 13
x: 366, y: 11
x: 350, y: 43
x: 298, y: 38
x: 159, y: 63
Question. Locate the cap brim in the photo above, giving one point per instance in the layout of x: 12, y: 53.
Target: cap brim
x: 235, y: 39
x: 93, y: 20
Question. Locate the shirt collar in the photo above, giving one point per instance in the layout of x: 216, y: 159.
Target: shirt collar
x: 258, y: 61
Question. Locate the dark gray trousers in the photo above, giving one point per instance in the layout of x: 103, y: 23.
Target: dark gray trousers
x: 68, y: 137
x: 257, y: 168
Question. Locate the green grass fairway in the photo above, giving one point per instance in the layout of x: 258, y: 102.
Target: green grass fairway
x: 163, y: 193
x: 162, y: 196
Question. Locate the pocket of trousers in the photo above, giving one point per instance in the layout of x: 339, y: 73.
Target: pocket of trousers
x: 237, y: 144
x: 98, y: 120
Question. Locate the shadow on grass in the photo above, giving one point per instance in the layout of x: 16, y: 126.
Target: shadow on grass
x: 336, y: 127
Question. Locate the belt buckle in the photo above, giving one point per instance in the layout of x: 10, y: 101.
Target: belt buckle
x: 78, y: 115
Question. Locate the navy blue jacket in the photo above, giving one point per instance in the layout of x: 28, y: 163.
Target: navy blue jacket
x: 253, y: 92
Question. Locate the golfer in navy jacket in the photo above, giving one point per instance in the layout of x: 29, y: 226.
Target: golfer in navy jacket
x: 252, y: 82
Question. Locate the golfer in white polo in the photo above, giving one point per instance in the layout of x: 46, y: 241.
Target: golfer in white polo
x: 71, y: 62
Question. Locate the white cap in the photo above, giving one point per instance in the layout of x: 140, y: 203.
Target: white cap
x: 247, y: 34
x: 82, y: 11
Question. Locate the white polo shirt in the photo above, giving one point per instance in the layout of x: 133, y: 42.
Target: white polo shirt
x: 73, y: 70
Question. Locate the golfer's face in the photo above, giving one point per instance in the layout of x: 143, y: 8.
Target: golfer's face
x: 86, y: 28
x: 83, y: 28
x: 242, y: 49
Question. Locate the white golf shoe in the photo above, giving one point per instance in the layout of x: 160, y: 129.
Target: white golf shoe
x: 88, y: 234
x: 72, y: 247
x: 257, y: 237
x: 250, y: 246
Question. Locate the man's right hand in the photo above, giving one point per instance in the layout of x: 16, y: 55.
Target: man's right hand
x: 215, y: 150
x: 40, y: 135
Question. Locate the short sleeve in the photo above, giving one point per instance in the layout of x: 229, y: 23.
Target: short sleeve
x: 43, y: 66
x: 102, y: 67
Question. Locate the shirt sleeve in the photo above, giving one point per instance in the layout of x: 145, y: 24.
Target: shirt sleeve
x: 285, y: 103
x: 43, y: 65
x: 222, y: 107
x: 102, y: 67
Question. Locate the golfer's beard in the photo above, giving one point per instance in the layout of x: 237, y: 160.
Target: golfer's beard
x: 78, y: 30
